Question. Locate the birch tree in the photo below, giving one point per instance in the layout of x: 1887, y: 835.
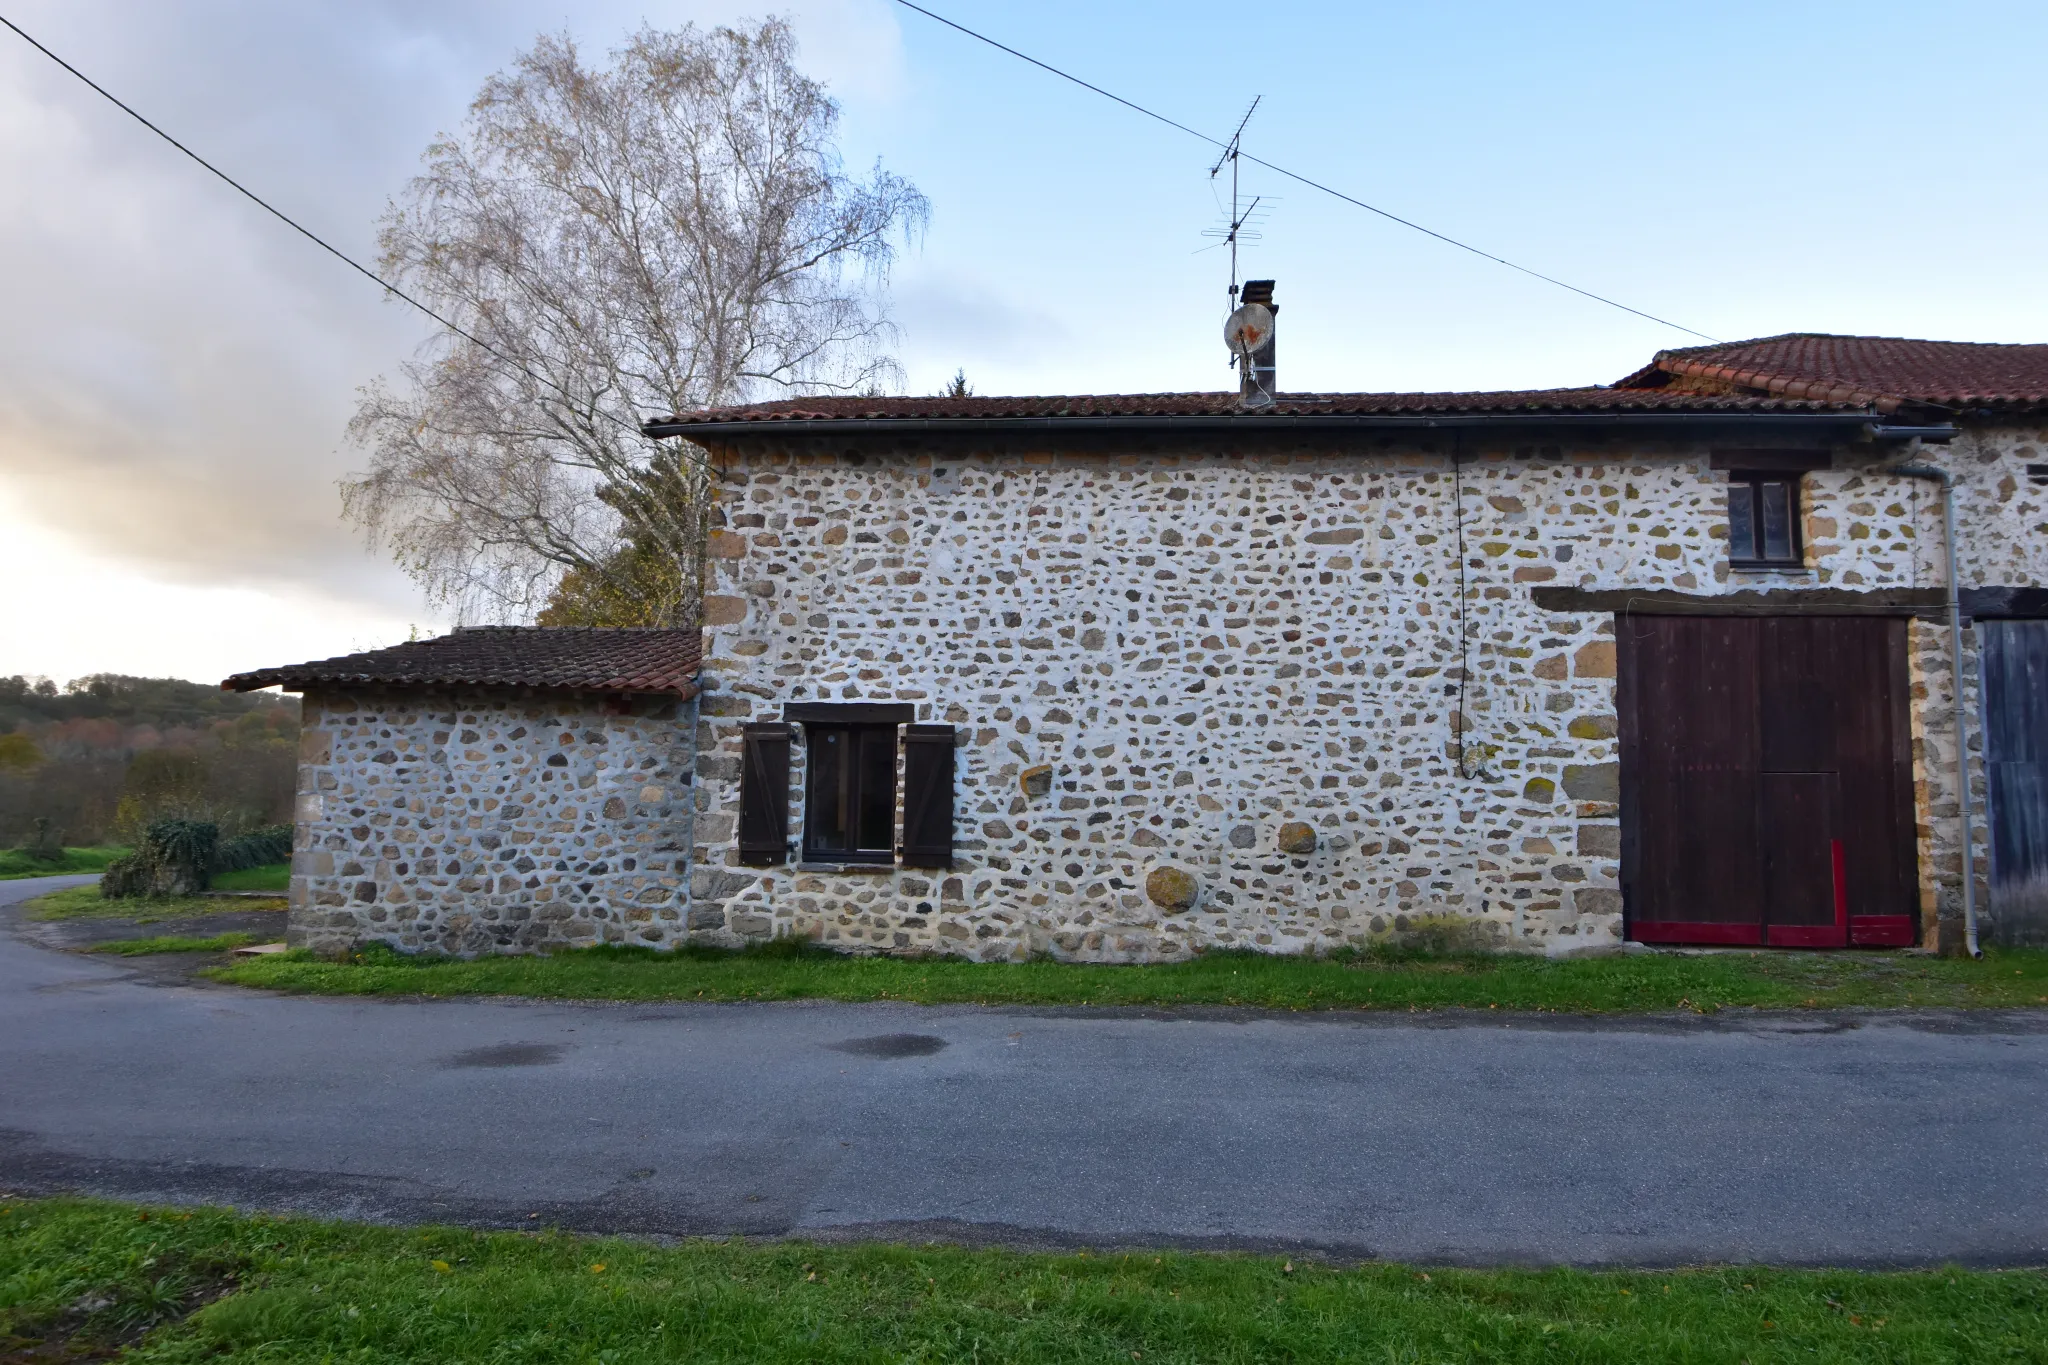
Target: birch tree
x: 671, y: 231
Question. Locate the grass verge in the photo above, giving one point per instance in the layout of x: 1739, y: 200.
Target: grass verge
x: 85, y: 902
x: 14, y: 863
x: 207, y: 1284
x: 269, y: 877
x: 171, y: 943
x: 1368, y: 980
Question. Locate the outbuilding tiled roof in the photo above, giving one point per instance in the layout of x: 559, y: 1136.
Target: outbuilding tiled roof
x: 1226, y: 404
x: 561, y: 658
x: 1882, y: 372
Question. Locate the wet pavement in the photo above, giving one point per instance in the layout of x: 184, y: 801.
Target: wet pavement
x: 1840, y: 1138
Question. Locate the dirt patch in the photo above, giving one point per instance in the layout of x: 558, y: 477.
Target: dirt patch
x: 77, y: 935
x: 104, y: 1324
x: 87, y: 932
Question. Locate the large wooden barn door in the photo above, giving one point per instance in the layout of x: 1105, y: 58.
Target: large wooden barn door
x: 2015, y: 662
x: 1766, y: 781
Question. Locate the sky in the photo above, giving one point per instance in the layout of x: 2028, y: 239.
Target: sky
x: 177, y: 368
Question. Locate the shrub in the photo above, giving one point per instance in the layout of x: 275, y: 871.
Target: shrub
x: 174, y: 858
x: 257, y: 848
x: 45, y: 844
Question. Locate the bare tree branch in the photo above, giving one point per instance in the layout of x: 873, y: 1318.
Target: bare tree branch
x: 665, y: 233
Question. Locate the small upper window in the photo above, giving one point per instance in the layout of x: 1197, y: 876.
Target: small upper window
x: 1763, y: 521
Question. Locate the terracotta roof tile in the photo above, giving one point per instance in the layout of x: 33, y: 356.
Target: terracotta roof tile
x: 577, y: 659
x: 1879, y: 371
x: 1226, y: 404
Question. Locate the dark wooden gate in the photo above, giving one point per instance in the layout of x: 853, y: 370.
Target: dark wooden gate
x: 2015, y: 663
x: 1766, y: 781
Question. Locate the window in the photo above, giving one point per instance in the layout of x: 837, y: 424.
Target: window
x: 1763, y: 521
x: 850, y: 793
x: 850, y: 787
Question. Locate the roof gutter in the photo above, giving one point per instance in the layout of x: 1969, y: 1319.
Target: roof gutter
x: 1935, y: 435
x: 1246, y: 424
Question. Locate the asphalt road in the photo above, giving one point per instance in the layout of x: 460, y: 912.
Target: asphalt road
x: 1838, y: 1139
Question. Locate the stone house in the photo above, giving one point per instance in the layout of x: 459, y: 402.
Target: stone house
x: 497, y: 789
x: 1124, y: 678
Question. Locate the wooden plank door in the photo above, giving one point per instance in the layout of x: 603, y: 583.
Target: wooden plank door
x: 1798, y: 790
x: 1766, y: 781
x: 1874, y: 757
x: 2015, y: 699
x: 1688, y: 708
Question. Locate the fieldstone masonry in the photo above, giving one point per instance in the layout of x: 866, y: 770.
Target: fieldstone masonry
x: 1284, y: 697
x: 1280, y: 697
x: 491, y: 821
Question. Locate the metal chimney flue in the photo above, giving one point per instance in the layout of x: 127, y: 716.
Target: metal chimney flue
x: 1257, y: 382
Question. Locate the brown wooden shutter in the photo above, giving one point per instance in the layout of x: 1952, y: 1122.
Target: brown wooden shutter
x: 764, y: 795
x: 928, y: 796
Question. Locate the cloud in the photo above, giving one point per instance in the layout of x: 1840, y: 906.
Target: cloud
x: 953, y: 322
x: 180, y: 365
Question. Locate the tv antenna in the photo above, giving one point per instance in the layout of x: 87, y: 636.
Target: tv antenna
x: 1243, y: 217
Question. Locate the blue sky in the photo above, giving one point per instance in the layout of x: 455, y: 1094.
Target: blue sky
x: 175, y: 369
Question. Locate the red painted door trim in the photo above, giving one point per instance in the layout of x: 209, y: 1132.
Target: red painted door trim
x: 1834, y: 935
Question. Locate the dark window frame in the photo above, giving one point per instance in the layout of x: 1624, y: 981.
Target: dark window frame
x: 1751, y: 485
x: 856, y: 739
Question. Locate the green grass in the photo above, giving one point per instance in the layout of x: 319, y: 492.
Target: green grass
x: 14, y: 863
x: 269, y: 877
x: 210, y: 1285
x: 171, y: 943
x: 1373, y: 980
x: 85, y: 902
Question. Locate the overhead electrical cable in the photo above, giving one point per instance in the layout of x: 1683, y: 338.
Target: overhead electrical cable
x: 332, y: 250
x: 1303, y: 179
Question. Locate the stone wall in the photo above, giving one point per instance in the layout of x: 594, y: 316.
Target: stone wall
x: 1311, y: 682
x: 2002, y: 534
x: 491, y: 821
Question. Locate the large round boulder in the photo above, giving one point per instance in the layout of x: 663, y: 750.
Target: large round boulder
x: 1172, y: 889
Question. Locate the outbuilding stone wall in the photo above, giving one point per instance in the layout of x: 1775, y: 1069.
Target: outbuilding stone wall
x: 491, y: 821
x: 1281, y: 698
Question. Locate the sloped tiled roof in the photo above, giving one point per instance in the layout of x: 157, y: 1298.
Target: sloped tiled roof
x: 1226, y: 404
x: 563, y: 658
x: 1882, y: 372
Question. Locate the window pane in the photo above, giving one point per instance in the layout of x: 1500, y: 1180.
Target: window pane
x: 1776, y: 516
x: 825, y: 814
x: 877, y: 788
x: 1741, y: 520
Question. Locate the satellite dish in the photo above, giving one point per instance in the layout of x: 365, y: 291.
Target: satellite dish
x: 1247, y: 329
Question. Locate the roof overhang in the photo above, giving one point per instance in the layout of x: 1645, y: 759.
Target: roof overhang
x: 1842, y: 423
x: 286, y: 680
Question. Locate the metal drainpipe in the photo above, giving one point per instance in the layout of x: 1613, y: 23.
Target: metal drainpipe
x: 693, y: 715
x: 1955, y: 664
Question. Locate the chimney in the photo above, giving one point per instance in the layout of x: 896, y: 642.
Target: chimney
x: 1257, y: 385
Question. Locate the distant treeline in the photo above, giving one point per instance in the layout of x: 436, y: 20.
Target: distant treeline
x: 99, y: 759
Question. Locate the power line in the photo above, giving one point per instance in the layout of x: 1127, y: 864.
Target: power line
x: 1303, y: 179
x: 322, y: 243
